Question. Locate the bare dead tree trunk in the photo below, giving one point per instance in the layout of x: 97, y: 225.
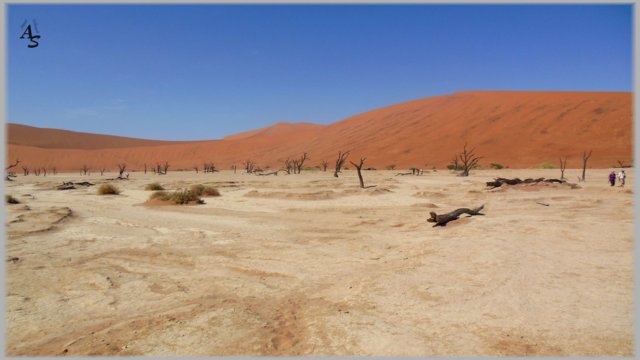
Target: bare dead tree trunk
x: 121, y: 169
x: 585, y: 158
x: 469, y: 160
x: 44, y: 171
x: 342, y: 157
x: 165, y: 167
x: 287, y: 165
x: 563, y: 166
x: 102, y: 171
x: 55, y: 171
x: 234, y: 168
x: 145, y: 168
x: 325, y: 165
x: 300, y: 162
x: 359, y: 169
x: 25, y: 171
x: 456, y: 165
x: 249, y: 166
x: 85, y: 169
x: 196, y: 168
x: 621, y: 163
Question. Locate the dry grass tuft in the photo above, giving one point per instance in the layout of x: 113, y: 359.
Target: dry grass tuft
x: 11, y: 200
x: 202, y: 190
x: 108, y: 189
x: 154, y: 186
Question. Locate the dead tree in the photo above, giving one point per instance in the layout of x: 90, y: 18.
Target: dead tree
x: 454, y: 163
x: 44, y: 171
x: 300, y: 162
x: 102, y: 171
x: 342, y: 157
x: 585, y: 158
x: 563, y: 167
x: 121, y: 169
x: 249, y: 165
x: 10, y: 173
x: 287, y: 165
x: 196, y: 168
x: 442, y: 220
x: 165, y: 167
x: 359, y: 169
x: 209, y: 168
x: 325, y: 165
x: 621, y: 163
x: 84, y: 170
x: 145, y: 168
x: 36, y: 172
x: 469, y: 160
x: 55, y: 170
x: 25, y: 170
x: 234, y: 167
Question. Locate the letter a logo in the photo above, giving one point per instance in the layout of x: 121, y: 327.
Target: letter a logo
x: 31, y: 37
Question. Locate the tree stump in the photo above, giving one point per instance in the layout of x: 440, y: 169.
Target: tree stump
x: 443, y: 219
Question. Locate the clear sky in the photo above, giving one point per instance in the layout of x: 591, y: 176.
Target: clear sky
x: 205, y: 71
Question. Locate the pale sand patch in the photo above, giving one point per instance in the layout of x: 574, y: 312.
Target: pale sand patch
x: 313, y: 265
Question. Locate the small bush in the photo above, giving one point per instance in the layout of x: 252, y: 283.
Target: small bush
x: 11, y: 200
x: 108, y: 189
x: 177, y: 197
x: 201, y: 190
x: 496, y: 166
x: 154, y: 186
x: 184, y: 197
x: 547, y: 165
x: 162, y: 195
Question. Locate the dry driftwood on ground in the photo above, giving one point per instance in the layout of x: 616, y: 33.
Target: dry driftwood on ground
x: 501, y: 181
x: 443, y: 219
x: 71, y: 185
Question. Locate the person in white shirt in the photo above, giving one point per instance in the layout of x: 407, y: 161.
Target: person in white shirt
x: 622, y: 176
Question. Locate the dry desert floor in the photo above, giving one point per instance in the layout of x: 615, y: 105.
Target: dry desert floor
x: 310, y: 264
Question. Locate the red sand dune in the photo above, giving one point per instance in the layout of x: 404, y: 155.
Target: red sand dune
x: 519, y: 129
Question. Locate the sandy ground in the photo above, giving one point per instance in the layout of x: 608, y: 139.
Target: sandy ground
x: 310, y: 264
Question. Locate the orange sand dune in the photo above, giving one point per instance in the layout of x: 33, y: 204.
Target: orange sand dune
x: 64, y: 139
x: 519, y: 129
x: 277, y: 130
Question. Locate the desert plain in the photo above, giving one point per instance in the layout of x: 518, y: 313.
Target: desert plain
x: 309, y: 264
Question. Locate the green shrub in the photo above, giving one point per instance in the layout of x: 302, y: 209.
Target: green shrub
x: 547, y: 165
x: 108, y: 189
x: 154, y: 186
x: 11, y: 200
x: 201, y: 190
x: 496, y: 166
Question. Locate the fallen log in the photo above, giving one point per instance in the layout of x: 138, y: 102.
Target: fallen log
x: 501, y: 181
x: 443, y: 219
x: 70, y: 185
x: 403, y: 174
x: 266, y: 174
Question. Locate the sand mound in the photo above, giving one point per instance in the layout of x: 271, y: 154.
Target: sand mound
x: 318, y: 195
x: 24, y: 221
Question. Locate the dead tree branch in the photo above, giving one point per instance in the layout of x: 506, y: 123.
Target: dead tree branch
x: 342, y: 157
x: 443, y: 219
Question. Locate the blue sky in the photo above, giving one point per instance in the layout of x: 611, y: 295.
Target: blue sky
x: 205, y: 71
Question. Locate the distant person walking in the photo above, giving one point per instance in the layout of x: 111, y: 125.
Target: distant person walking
x: 612, y: 178
x: 622, y: 177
